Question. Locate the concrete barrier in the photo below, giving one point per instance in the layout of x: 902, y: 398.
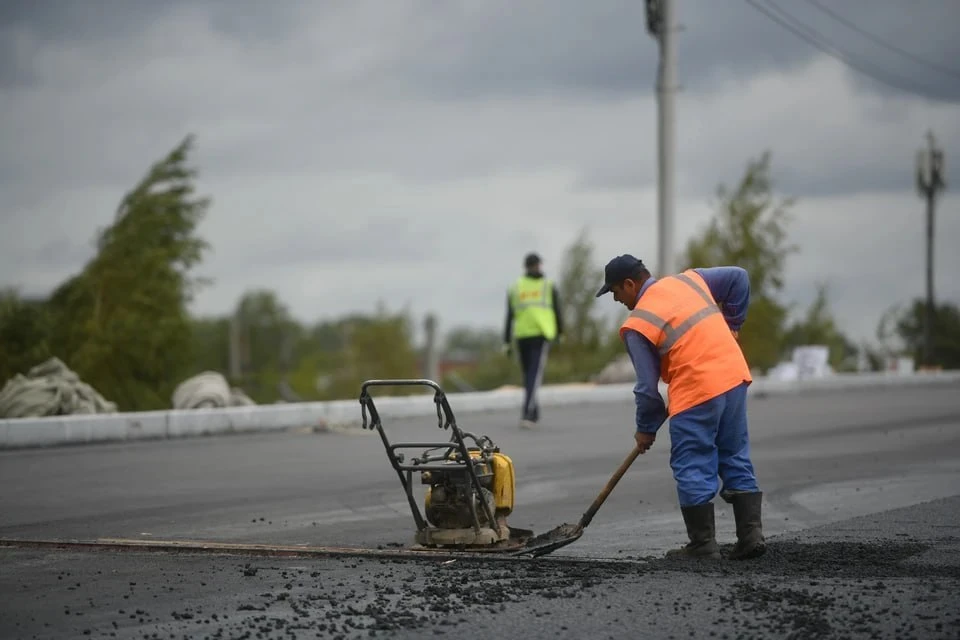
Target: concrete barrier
x: 338, y: 414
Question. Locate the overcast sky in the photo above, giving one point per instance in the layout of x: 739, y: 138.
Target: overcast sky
x: 358, y: 149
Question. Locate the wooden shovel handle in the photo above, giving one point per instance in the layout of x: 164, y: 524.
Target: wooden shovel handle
x: 611, y: 483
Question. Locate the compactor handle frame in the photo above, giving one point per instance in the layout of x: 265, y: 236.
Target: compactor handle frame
x: 445, y: 420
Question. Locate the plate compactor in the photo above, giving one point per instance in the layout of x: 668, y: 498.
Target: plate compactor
x: 469, y: 482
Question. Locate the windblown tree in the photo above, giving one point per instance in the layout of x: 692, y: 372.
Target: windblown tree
x: 122, y: 323
x: 749, y: 230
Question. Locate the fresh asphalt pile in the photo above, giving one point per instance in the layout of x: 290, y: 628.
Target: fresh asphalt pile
x: 871, y: 577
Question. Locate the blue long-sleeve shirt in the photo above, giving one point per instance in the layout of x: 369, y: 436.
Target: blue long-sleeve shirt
x: 730, y: 287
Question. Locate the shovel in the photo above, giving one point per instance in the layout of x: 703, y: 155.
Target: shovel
x: 568, y: 533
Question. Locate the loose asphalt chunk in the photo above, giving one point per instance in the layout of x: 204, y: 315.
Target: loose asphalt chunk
x: 876, y: 577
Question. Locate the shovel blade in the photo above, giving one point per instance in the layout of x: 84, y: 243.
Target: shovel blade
x: 552, y: 540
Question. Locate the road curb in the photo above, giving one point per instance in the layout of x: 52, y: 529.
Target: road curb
x: 340, y: 415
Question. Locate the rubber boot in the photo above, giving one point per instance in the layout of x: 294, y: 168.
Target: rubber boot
x: 746, y: 512
x: 701, y: 529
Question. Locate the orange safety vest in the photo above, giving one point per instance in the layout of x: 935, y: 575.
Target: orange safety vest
x: 699, y: 357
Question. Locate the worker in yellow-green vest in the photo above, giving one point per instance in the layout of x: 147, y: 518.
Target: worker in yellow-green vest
x: 533, y: 322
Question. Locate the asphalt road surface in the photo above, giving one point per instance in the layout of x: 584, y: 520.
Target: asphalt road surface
x: 862, y: 504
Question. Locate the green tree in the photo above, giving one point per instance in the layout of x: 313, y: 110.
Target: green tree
x: 945, y: 334
x: 749, y: 230
x: 589, y: 342
x: 889, y: 343
x: 477, y: 343
x: 210, y: 344
x: 270, y: 346
x: 321, y: 354
x: 577, y: 286
x: 328, y: 335
x: 378, y: 346
x: 122, y: 323
x: 24, y: 334
x: 268, y: 332
x: 819, y: 327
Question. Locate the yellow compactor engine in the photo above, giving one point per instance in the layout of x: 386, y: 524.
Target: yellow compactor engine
x: 454, y: 507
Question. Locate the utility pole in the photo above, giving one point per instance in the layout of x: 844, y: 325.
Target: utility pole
x: 236, y: 369
x: 431, y: 359
x: 930, y: 183
x: 660, y: 24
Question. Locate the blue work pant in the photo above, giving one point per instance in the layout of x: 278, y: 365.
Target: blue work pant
x: 711, y: 440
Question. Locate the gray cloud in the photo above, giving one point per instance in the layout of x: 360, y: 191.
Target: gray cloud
x: 387, y: 239
x: 549, y: 47
x: 893, y: 172
x: 428, y: 146
x: 106, y: 21
x: 561, y: 48
x: 889, y: 48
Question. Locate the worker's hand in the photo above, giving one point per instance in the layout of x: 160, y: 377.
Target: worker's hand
x: 644, y: 440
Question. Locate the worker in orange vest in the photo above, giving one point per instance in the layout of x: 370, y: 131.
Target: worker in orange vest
x: 684, y: 328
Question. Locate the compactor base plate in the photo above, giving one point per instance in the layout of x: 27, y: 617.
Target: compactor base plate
x: 488, y: 540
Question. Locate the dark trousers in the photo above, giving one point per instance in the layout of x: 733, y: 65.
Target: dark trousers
x: 533, y: 361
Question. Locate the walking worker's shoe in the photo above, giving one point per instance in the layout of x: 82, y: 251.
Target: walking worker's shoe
x: 746, y: 512
x: 701, y: 529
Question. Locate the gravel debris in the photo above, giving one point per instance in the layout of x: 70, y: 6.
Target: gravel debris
x: 823, y: 589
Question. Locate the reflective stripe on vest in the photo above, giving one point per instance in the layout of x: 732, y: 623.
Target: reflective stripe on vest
x: 675, y: 333
x: 532, y: 302
x: 699, y: 358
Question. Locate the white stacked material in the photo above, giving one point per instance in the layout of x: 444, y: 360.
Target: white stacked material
x: 239, y: 399
x: 50, y: 389
x: 812, y: 361
x: 208, y: 390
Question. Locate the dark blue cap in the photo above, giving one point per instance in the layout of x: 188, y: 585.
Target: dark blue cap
x: 618, y: 270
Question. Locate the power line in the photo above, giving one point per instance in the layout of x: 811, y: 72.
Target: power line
x: 851, y: 25
x: 812, y: 38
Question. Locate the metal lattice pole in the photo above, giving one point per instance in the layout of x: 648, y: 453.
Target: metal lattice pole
x: 930, y: 183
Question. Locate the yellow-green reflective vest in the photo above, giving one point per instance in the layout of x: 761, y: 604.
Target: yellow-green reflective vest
x: 532, y: 302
